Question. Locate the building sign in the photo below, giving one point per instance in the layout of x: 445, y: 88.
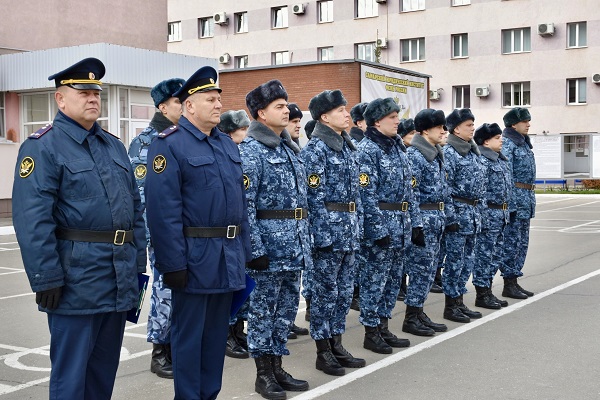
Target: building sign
x: 409, y: 92
x: 548, y: 156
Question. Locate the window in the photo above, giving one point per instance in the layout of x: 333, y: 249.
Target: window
x: 516, y: 94
x: 576, y: 93
x: 281, y: 57
x: 412, y: 49
x: 325, y: 11
x: 241, y: 61
x: 241, y: 22
x: 279, y: 17
x: 460, y: 45
x: 174, y: 32
x: 366, y: 51
x: 461, y: 2
x: 326, y: 53
x: 2, y: 117
x: 413, y: 5
x: 516, y: 40
x: 206, y: 26
x: 462, y: 96
x: 577, y: 34
x: 366, y: 8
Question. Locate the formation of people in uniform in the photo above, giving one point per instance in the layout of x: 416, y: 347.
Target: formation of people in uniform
x: 368, y: 213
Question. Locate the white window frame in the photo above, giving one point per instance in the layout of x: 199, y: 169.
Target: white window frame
x: 325, y: 11
x: 516, y: 41
x: 241, y: 61
x: 461, y: 96
x: 578, y: 32
x: 281, y: 57
x: 577, y: 89
x: 241, y: 22
x: 412, y: 5
x: 279, y: 17
x: 463, y: 45
x: 366, y: 51
x: 326, y: 53
x: 2, y: 115
x: 206, y: 27
x: 412, y: 42
x: 456, y: 3
x: 366, y: 8
x: 520, y: 89
x: 174, y: 31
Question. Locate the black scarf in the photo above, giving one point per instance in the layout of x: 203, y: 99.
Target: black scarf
x: 160, y: 122
x: 386, y: 143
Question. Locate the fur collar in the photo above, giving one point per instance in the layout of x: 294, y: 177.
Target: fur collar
x: 516, y: 137
x: 357, y: 133
x: 461, y: 146
x: 160, y: 122
x: 384, y: 142
x: 491, y: 154
x: 266, y: 136
x: 429, y: 152
x: 331, y: 138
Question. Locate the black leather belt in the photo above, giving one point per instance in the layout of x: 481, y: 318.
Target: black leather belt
x: 432, y: 206
x: 118, y: 237
x: 471, y: 202
x: 297, y: 213
x: 228, y: 232
x: 524, y: 186
x: 502, y: 206
x: 349, y: 207
x: 394, y: 206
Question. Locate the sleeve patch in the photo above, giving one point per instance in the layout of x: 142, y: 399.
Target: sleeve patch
x: 140, y: 171
x: 246, y: 182
x: 159, y: 164
x: 314, y: 181
x: 26, y: 167
x: 363, y: 179
x: 413, y: 182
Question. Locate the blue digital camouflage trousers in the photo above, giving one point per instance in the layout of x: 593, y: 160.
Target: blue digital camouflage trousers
x: 516, y: 243
x: 306, y: 283
x: 380, y: 278
x: 422, y: 262
x: 460, y: 258
x: 488, y: 254
x: 332, y: 286
x: 273, y: 307
x: 159, y: 318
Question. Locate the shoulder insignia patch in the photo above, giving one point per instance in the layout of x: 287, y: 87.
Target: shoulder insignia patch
x: 140, y: 171
x: 413, y: 182
x: 26, y: 167
x: 168, y: 131
x: 363, y: 179
x: 246, y: 181
x: 40, y: 132
x: 159, y: 164
x: 111, y: 134
x: 314, y: 181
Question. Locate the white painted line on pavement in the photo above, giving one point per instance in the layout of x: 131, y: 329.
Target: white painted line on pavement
x: 360, y: 373
x: 5, y: 389
x: 16, y: 295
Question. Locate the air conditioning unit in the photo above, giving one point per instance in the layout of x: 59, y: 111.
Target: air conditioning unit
x: 546, y: 29
x: 381, y: 1
x: 298, y: 9
x: 382, y: 42
x: 434, y: 95
x: 596, y: 78
x: 221, y: 18
x: 482, y: 91
x: 224, y: 59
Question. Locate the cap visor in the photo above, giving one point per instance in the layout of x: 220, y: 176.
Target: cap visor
x: 86, y: 86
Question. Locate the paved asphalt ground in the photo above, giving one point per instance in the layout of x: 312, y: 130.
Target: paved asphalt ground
x: 545, y: 347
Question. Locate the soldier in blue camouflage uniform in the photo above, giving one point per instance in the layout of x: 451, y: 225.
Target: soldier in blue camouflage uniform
x: 429, y: 186
x: 333, y: 198
x: 498, y: 185
x: 516, y: 147
x: 275, y: 182
x: 159, y: 318
x: 390, y: 219
x: 465, y: 177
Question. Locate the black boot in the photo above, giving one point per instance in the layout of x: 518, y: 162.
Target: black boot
x: 437, y: 282
x: 161, y: 361
x: 511, y: 290
x: 285, y: 380
x: 374, y: 342
x: 389, y: 337
x: 429, y: 323
x: 298, y: 330
x: 266, y: 384
x: 326, y: 361
x: 240, y: 335
x: 355, y: 304
x: 503, y: 303
x: 485, y: 300
x: 307, y: 314
x: 233, y: 348
x: 452, y: 312
x: 466, y: 310
x: 402, y: 292
x: 527, y: 292
x: 342, y: 355
x: 292, y: 335
x: 413, y: 324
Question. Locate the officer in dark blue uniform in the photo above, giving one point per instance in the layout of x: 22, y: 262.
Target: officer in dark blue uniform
x: 199, y: 227
x: 78, y: 218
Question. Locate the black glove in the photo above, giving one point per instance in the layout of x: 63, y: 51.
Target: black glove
x: 452, y: 227
x: 259, y: 264
x: 417, y: 236
x: 48, y: 299
x: 325, y: 249
x: 384, y: 241
x: 513, y: 216
x: 177, y: 279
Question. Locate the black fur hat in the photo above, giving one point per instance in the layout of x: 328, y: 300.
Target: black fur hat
x: 457, y: 117
x: 406, y: 126
x: 233, y: 120
x: 325, y: 101
x: 379, y: 108
x: 356, y: 113
x: 295, y: 111
x: 515, y: 116
x: 310, y: 127
x: 428, y: 118
x: 165, y: 89
x: 485, y: 132
x: 265, y: 94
